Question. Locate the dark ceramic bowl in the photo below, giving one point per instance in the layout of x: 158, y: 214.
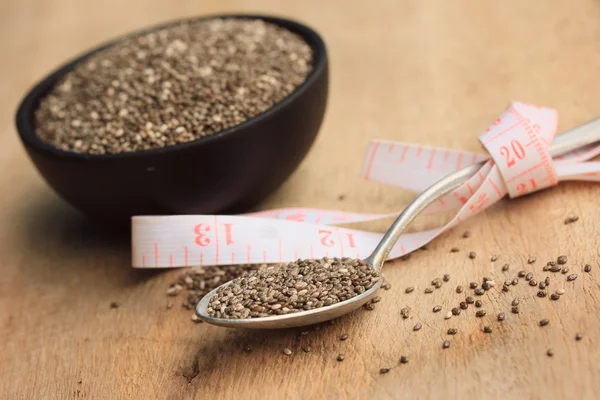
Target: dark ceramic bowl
x: 230, y: 171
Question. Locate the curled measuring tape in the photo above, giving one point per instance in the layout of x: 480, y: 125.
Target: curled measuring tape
x: 517, y: 163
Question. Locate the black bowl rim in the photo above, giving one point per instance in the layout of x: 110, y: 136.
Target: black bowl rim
x: 25, y: 125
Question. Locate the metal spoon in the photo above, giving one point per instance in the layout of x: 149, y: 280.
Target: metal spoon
x: 584, y: 134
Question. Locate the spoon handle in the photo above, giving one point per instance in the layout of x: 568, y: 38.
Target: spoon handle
x: 571, y: 140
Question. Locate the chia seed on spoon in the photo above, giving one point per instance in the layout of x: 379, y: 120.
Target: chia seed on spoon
x: 297, y: 286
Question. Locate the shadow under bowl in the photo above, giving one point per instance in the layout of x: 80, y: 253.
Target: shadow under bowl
x: 229, y: 171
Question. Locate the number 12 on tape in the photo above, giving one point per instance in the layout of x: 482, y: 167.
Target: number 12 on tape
x: 221, y: 240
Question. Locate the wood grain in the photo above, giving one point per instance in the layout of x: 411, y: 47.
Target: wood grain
x: 434, y: 72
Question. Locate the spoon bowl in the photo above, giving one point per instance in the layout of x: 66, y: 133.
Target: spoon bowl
x: 302, y: 318
x: 228, y: 172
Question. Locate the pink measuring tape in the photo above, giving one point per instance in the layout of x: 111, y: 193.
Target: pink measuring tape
x: 517, y: 163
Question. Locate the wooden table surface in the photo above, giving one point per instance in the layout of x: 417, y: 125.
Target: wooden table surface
x: 431, y: 72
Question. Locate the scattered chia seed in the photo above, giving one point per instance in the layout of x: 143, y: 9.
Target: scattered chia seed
x: 479, y: 291
x: 560, y: 291
x: 448, y: 315
x: 473, y: 285
x: 570, y: 220
x: 515, y: 302
x: 455, y: 311
x: 529, y: 276
x: 550, y: 353
x: 578, y: 336
x: 522, y: 274
x: 376, y: 299
x: 515, y: 281
x: 307, y: 349
x: 544, y: 322
x: 561, y: 260
x: 554, y: 296
x: 344, y: 336
x: 446, y: 344
x: 340, y: 357
x: 369, y: 306
x: 531, y: 260
x: 515, y: 309
x: 494, y: 258
x: 555, y: 268
x: 478, y: 303
x: 196, y: 319
x: 405, y: 313
x: 172, y: 85
x: 565, y: 270
x: 545, y: 268
x: 437, y: 308
x: 428, y: 290
x: 287, y: 351
x: 438, y: 284
x: 446, y: 277
x: 485, y: 286
x: 505, y: 267
x: 174, y: 290
x: 385, y: 370
x: 469, y: 300
x: 403, y: 359
x: 505, y: 288
x: 115, y: 304
x: 542, y: 285
x: 472, y: 255
x: 480, y: 313
x: 541, y: 293
x: 467, y: 234
x: 386, y: 286
x: 487, y: 329
x: 417, y: 327
x: 459, y: 289
x: 293, y: 287
x: 551, y: 263
x: 409, y: 289
x: 452, y: 331
x: 587, y: 268
x: 463, y: 305
x: 454, y: 250
x: 571, y: 277
x: 533, y: 282
x: 501, y: 317
x: 547, y: 281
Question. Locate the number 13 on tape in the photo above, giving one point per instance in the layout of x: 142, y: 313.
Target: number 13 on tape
x: 217, y: 240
